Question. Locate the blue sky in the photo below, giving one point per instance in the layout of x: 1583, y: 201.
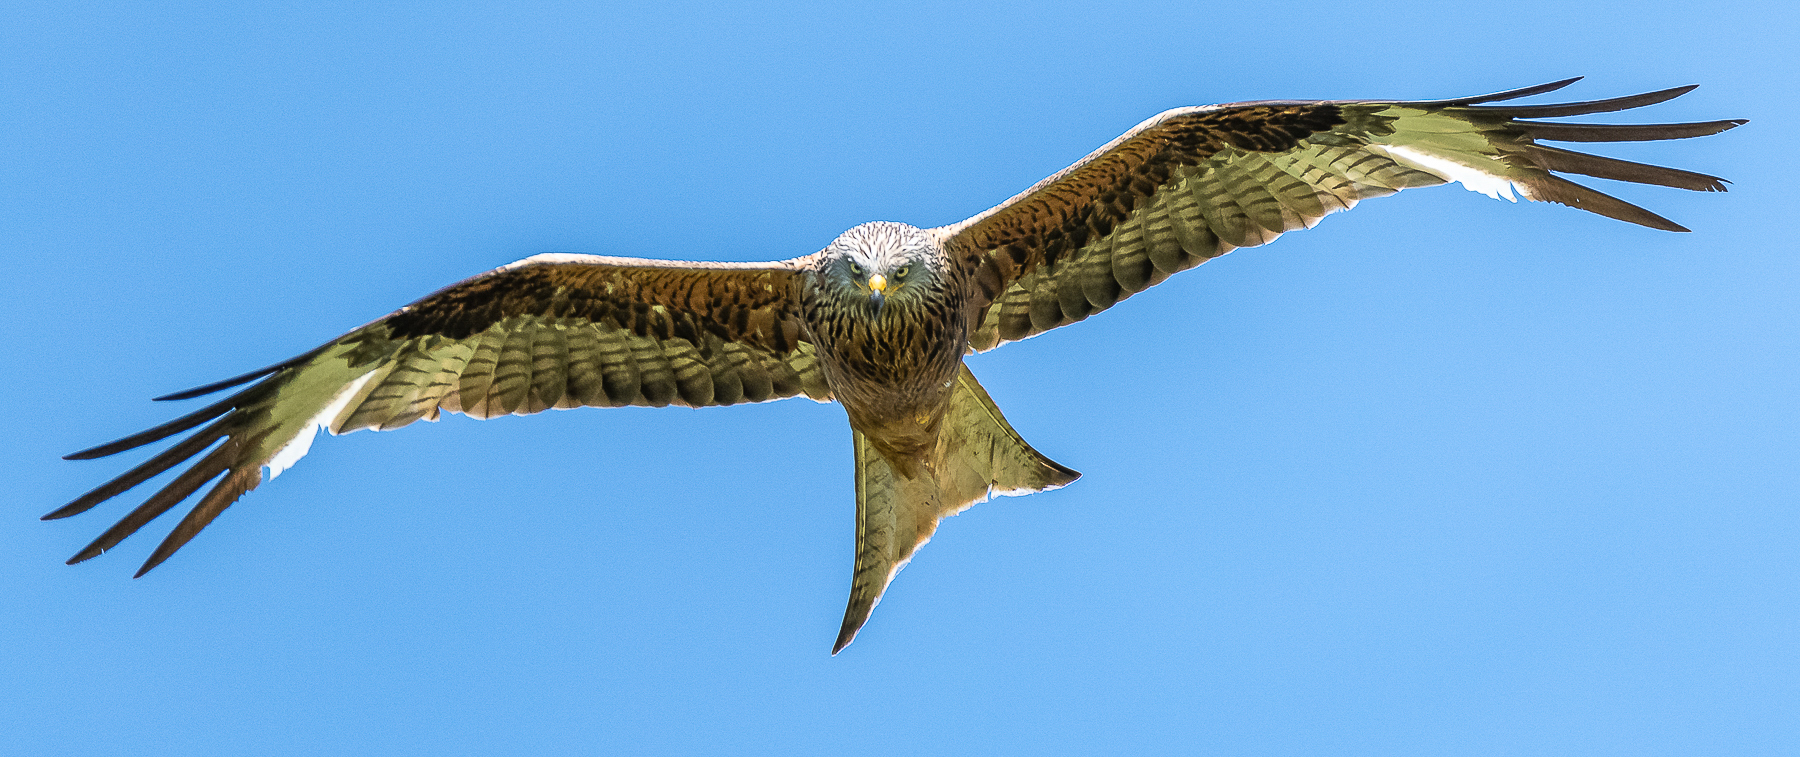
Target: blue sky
x: 1444, y: 475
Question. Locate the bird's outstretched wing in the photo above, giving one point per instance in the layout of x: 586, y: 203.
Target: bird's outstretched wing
x: 552, y: 331
x: 1194, y: 183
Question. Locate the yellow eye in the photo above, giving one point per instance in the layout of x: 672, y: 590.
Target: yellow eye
x: 855, y: 270
x: 901, y: 274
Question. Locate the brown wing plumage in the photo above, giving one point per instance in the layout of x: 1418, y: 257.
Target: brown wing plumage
x: 1194, y: 183
x: 553, y: 331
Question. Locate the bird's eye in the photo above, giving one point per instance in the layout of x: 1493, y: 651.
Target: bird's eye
x: 855, y: 270
x: 901, y: 274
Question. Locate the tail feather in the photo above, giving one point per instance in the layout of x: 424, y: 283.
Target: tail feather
x: 878, y: 553
x: 978, y: 455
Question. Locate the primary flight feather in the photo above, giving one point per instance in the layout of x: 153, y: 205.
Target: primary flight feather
x: 881, y: 319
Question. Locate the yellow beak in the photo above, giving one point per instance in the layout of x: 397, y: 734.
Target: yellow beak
x: 878, y: 284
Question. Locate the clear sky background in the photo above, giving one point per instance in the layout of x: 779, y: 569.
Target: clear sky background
x: 1444, y: 475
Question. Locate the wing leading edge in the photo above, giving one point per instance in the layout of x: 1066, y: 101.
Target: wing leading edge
x: 550, y: 332
x: 1191, y: 184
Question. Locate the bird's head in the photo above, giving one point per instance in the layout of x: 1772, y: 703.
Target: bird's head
x: 883, y: 264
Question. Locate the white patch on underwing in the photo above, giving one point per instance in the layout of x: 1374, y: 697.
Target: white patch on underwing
x: 1474, y: 179
x: 291, y: 452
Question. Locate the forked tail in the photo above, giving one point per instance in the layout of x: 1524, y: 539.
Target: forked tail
x: 978, y: 454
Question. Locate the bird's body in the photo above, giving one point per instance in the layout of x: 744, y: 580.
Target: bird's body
x: 881, y: 319
x: 892, y: 363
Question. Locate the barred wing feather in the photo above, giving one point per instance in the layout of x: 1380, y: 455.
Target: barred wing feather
x: 1191, y: 184
x: 553, y: 331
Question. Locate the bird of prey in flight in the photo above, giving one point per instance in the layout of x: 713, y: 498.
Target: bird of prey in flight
x: 881, y: 318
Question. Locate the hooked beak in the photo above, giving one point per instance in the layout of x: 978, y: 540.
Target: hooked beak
x: 877, y: 288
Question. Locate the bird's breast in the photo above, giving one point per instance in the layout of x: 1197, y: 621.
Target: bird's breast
x: 891, y: 370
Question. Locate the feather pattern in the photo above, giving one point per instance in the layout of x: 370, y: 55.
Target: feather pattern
x: 881, y: 319
x: 554, y: 331
x: 1194, y: 183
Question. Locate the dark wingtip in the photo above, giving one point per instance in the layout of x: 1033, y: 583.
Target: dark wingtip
x: 197, y: 391
x: 165, y: 430
x: 1537, y: 90
x: 130, y: 442
x: 163, y: 552
x: 1566, y: 132
x: 1657, y: 222
x: 1514, y: 94
x: 65, y: 511
x: 1607, y: 105
x: 1551, y: 87
x: 1664, y: 95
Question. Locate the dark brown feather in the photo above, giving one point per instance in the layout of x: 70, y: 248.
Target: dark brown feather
x: 717, y: 300
x: 1608, y: 105
x: 229, y: 489
x: 179, y: 489
x: 1622, y: 132
x: 169, y: 458
x: 160, y: 432
x: 1600, y: 167
x: 233, y: 381
x: 1564, y: 192
x: 1218, y: 178
x: 1511, y: 94
x: 499, y: 343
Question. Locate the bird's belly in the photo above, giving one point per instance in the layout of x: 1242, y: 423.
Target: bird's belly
x: 898, y: 405
x: 898, y: 425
